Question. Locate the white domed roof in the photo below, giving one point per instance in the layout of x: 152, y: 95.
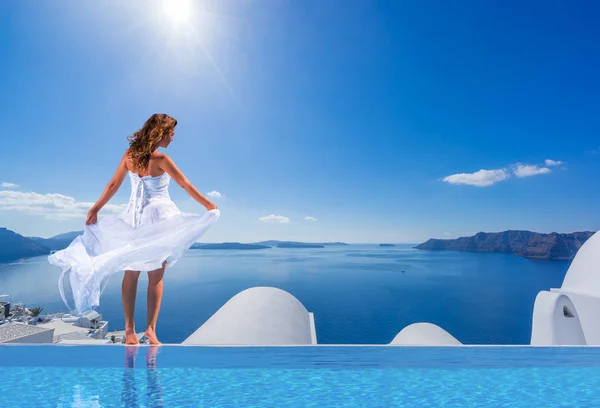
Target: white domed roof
x: 257, y: 316
x: 583, y: 275
x: 424, y: 334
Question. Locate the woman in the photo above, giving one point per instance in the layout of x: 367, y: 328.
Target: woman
x: 149, y: 234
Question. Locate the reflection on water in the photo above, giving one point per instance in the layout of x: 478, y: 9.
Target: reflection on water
x: 50, y: 376
x: 83, y: 398
x: 131, y: 384
x: 154, y: 394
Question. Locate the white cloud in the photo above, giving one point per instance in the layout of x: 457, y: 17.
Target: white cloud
x: 215, y: 194
x: 524, y: 170
x: 553, y: 162
x: 481, y: 178
x: 275, y: 219
x: 51, y: 206
x: 9, y: 185
x: 313, y: 219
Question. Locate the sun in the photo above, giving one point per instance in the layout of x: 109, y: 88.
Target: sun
x: 178, y: 11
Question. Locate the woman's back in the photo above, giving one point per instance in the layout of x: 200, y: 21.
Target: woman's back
x: 149, y: 201
x: 154, y: 165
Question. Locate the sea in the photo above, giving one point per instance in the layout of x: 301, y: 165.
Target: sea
x: 359, y: 294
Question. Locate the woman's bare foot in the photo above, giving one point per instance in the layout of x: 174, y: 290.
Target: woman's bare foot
x: 131, y: 337
x: 151, y: 336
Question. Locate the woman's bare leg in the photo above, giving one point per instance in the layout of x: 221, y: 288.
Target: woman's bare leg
x: 155, y: 292
x: 128, y: 293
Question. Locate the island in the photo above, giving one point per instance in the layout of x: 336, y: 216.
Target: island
x: 266, y: 244
x: 289, y: 244
x: 527, y: 244
x: 229, y: 245
x: 298, y: 245
x: 14, y: 246
x: 386, y: 245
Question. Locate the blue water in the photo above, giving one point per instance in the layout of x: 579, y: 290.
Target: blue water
x: 358, y: 293
x: 339, y: 376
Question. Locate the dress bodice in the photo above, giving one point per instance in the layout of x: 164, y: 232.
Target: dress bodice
x: 145, y: 191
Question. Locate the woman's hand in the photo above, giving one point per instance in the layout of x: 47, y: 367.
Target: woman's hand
x: 211, y: 206
x: 92, y: 217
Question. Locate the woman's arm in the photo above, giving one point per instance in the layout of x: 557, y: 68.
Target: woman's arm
x: 171, y: 169
x: 111, y: 188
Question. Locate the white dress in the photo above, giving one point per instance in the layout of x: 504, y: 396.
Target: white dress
x: 149, y: 231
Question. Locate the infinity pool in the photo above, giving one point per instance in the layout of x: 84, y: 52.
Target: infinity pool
x: 322, y: 376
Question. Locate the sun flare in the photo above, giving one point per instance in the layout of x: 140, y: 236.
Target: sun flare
x: 178, y: 11
x: 187, y: 36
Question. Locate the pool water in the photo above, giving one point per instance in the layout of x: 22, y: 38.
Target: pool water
x: 321, y: 376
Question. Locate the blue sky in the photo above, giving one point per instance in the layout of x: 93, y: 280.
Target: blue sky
x: 383, y: 121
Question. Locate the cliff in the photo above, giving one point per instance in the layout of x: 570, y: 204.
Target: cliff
x: 522, y: 243
x: 58, y: 242
x: 14, y: 246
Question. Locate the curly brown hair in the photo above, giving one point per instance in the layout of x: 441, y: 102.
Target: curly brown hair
x: 145, y: 141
